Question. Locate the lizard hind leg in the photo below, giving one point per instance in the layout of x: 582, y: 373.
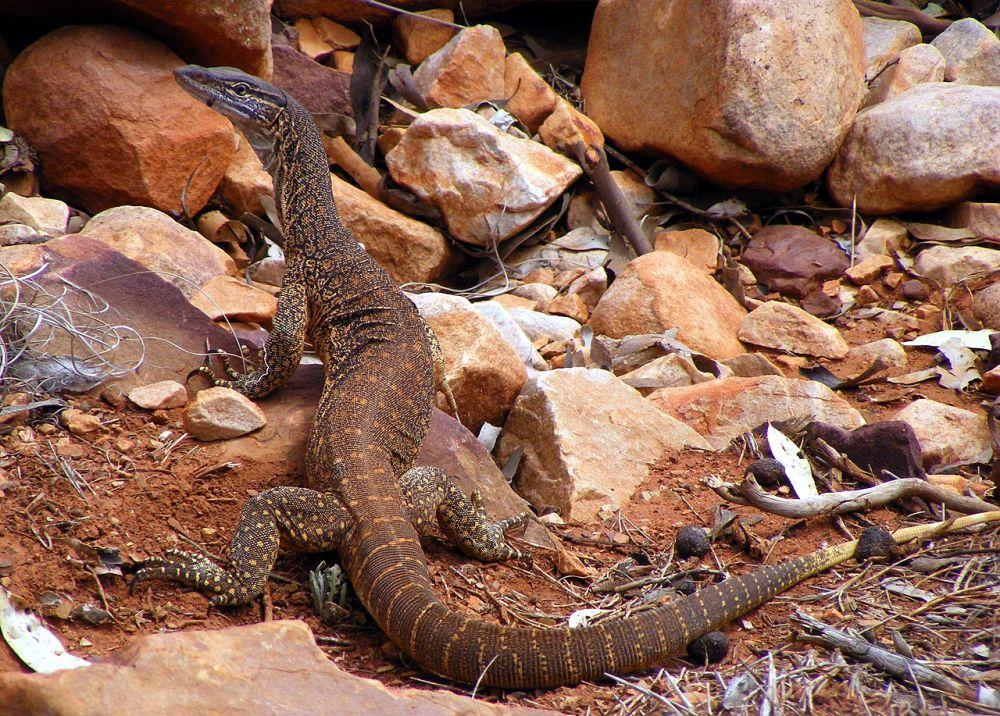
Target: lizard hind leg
x: 432, y: 497
x: 310, y: 521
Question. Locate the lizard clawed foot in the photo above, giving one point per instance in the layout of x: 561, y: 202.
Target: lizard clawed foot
x: 483, y: 539
x: 233, y: 376
x: 195, y: 570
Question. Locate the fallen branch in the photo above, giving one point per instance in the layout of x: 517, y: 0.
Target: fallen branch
x: 340, y: 153
x: 928, y: 24
x: 749, y: 492
x: 595, y: 162
x: 901, y: 667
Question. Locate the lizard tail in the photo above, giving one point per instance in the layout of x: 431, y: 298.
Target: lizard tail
x: 473, y: 651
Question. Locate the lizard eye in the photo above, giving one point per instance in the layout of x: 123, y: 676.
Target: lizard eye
x: 241, y: 89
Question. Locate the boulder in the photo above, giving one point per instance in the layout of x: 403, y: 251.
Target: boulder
x: 485, y: 373
x: 721, y: 410
x: 785, y: 327
x: 487, y: 184
x: 245, y: 181
x: 698, y: 246
x: 467, y: 70
x: 222, y: 413
x: 588, y: 439
x: 661, y: 290
x: 883, y: 41
x: 748, y: 93
x: 180, y: 256
x: 272, y: 667
x: 981, y: 218
x: 142, y: 139
x: 793, y: 260
x: 531, y: 97
x: 232, y: 299
x: 887, y: 350
x: 409, y: 250
x: 950, y: 265
x: 948, y: 436
x: 173, y: 332
x: 320, y: 89
x: 986, y: 307
x: 49, y: 216
x: 971, y: 51
x: 419, y: 39
x: 920, y: 63
x: 927, y: 148
x: 210, y: 32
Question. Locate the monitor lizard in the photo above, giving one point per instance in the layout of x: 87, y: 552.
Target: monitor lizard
x: 363, y: 497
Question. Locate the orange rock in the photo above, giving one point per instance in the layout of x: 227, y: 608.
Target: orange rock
x: 566, y: 126
x: 343, y: 61
x: 469, y: 69
x: 531, y: 99
x: 408, y: 249
x: 210, y: 32
x: 660, y: 290
x: 696, y: 245
x: 245, y: 180
x: 231, y: 298
x: 668, y: 91
x: 569, y: 305
x: 141, y: 140
x: 419, y: 39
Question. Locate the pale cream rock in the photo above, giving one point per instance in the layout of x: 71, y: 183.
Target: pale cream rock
x: 785, y: 327
x: 948, y: 435
x: 48, y: 216
x: 163, y: 395
x: 889, y: 351
x: 949, y: 265
x: 972, y: 52
x: 589, y: 440
x: 222, y: 413
x: 487, y: 184
x: 927, y: 148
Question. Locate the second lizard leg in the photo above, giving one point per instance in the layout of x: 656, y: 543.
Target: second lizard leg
x: 310, y: 521
x: 433, y: 497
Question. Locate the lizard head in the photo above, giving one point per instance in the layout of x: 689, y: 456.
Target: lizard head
x: 251, y: 104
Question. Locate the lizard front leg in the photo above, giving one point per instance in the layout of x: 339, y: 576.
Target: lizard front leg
x: 282, y: 350
x: 432, y: 497
x: 310, y: 521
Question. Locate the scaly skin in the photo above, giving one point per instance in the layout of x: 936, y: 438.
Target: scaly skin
x: 362, y: 498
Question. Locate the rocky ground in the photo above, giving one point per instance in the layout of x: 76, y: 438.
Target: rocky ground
x: 643, y: 232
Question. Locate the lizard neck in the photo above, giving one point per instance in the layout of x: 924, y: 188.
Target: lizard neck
x: 302, y: 192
